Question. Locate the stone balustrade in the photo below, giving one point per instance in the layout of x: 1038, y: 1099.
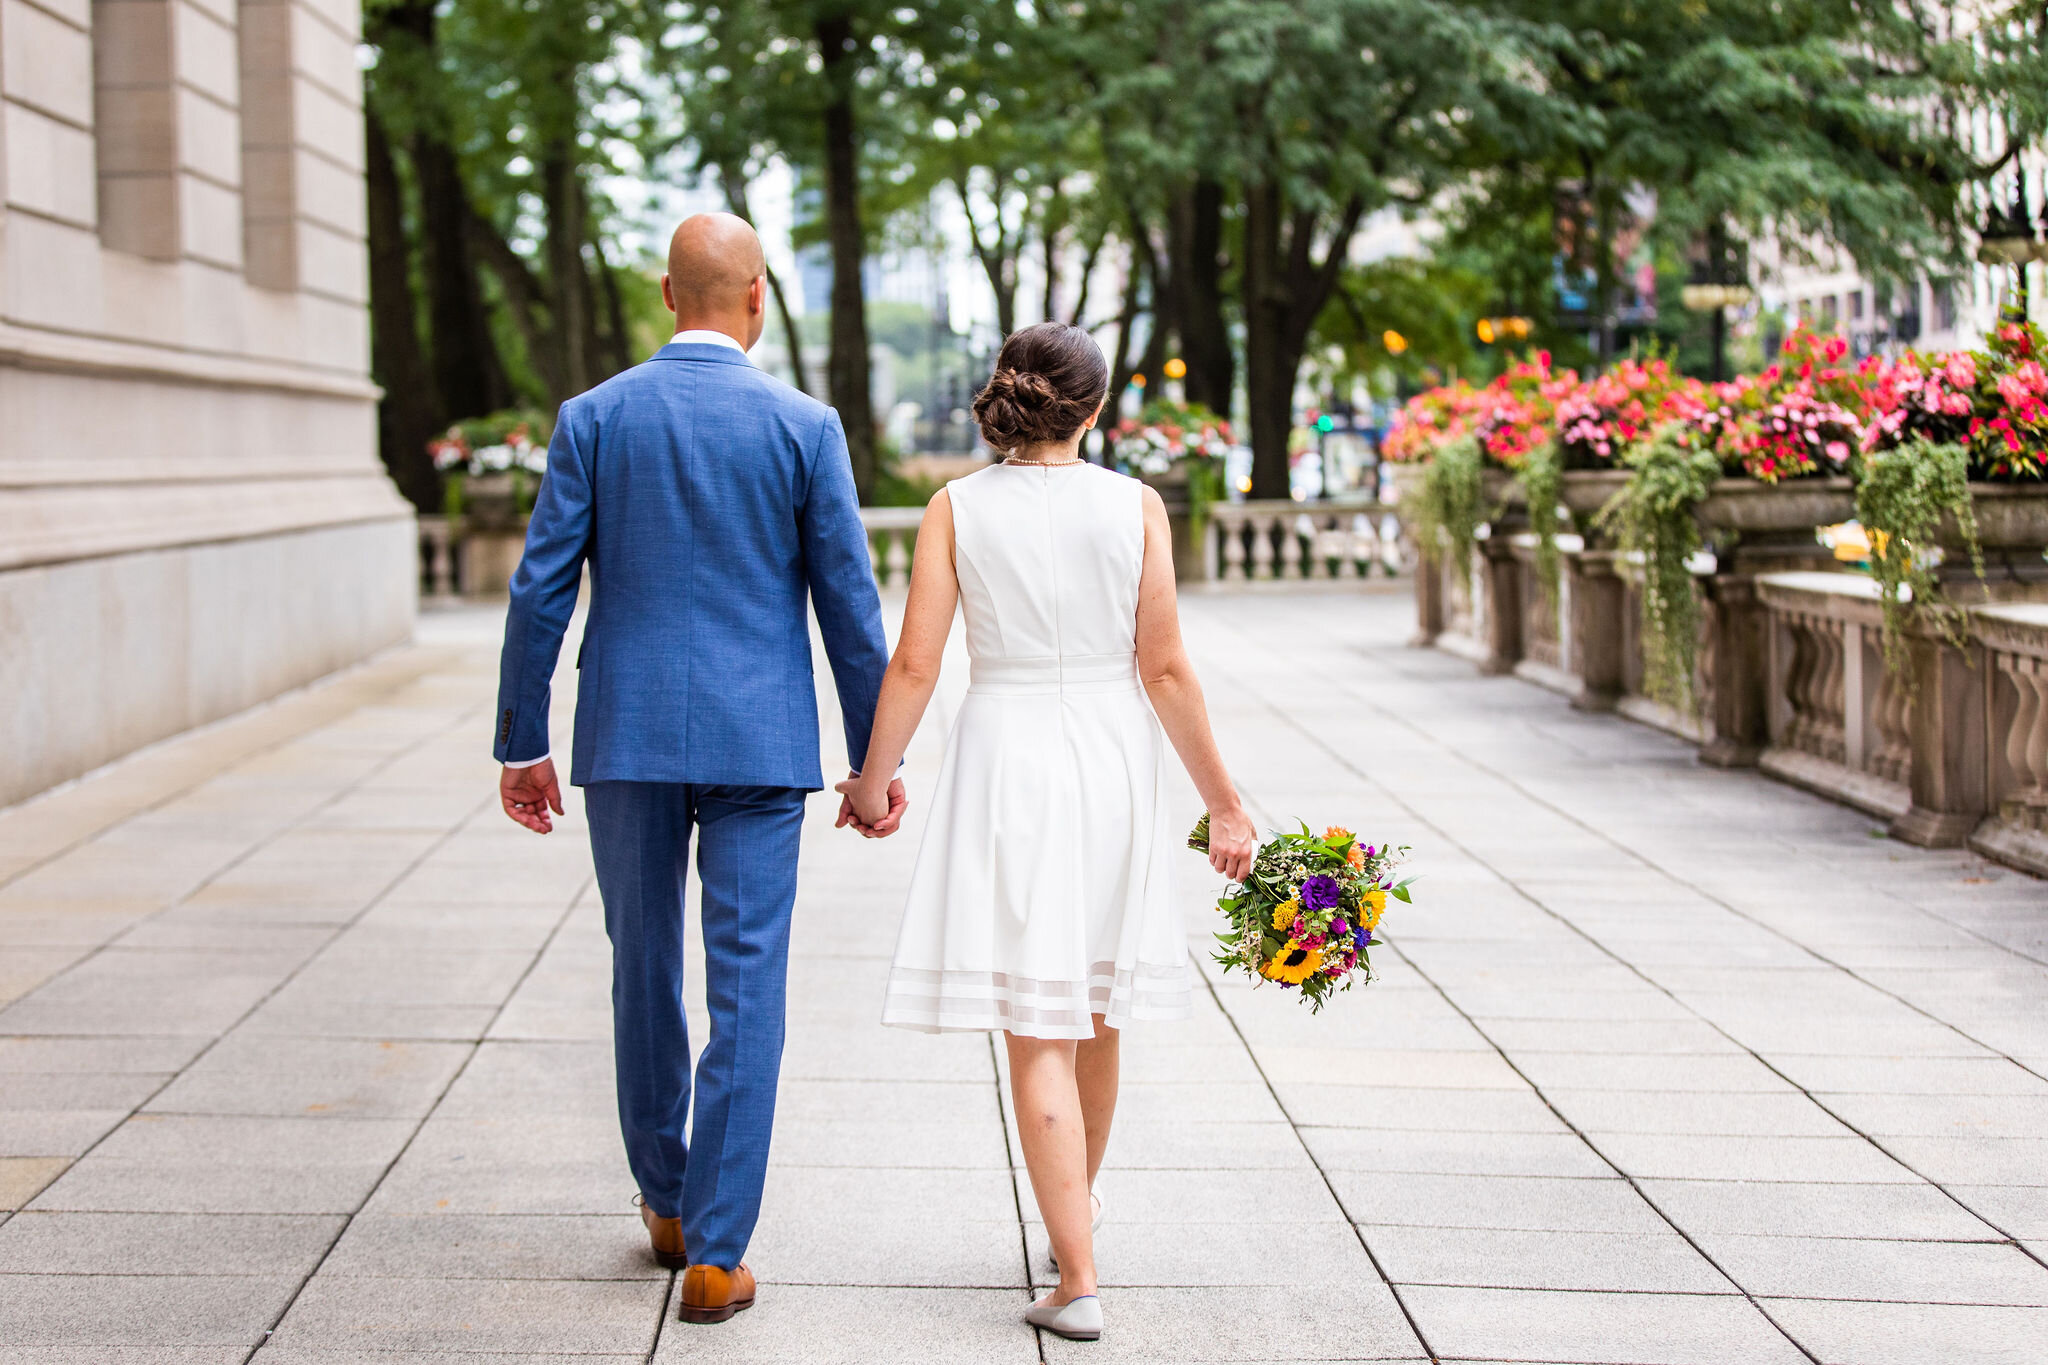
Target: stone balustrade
x: 437, y: 557
x: 1282, y: 540
x: 1958, y: 756
x: 892, y: 538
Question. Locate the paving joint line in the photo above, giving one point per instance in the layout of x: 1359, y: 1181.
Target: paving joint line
x: 1251, y: 1055
x: 178, y: 1073
x: 1316, y: 742
x: 475, y: 1046
x: 310, y: 689
x: 1675, y: 880
x: 1873, y: 1140
x: 1016, y: 1191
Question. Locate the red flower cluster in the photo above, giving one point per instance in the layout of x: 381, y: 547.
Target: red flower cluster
x: 1812, y: 413
x: 1993, y: 402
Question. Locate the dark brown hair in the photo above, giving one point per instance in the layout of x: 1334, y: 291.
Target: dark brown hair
x: 1049, y: 379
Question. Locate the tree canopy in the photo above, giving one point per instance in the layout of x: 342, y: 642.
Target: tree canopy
x: 1191, y: 177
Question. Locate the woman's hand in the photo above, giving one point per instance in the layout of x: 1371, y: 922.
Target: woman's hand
x: 866, y: 806
x: 1232, y: 842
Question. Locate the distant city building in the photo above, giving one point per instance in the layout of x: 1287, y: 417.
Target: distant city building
x: 193, y: 517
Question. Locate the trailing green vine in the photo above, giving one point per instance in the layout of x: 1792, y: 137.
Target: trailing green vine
x: 1901, y: 500
x: 1448, y: 509
x: 1653, y: 516
x: 1541, y: 477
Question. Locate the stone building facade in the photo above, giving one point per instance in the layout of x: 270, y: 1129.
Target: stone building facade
x: 193, y: 516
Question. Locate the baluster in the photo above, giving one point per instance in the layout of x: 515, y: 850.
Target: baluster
x: 1350, y: 533
x: 1290, y: 547
x: 898, y: 560
x: 444, y: 564
x: 1232, y: 531
x: 874, y: 558
x: 1318, y: 539
x: 2026, y: 743
x: 1262, y: 547
x: 1832, y: 696
x: 1798, y: 676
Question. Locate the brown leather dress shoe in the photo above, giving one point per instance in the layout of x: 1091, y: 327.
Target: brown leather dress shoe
x: 666, y: 1236
x: 713, y: 1294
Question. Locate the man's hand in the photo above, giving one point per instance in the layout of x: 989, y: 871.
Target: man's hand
x: 528, y: 794
x: 886, y: 814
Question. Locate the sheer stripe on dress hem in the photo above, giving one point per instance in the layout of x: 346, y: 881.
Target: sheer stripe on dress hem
x: 937, y: 1002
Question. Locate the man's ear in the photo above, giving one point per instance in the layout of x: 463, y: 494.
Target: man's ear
x: 757, y: 295
x: 668, y: 295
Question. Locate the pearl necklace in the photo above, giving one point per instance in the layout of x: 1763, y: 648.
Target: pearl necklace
x: 1044, y: 464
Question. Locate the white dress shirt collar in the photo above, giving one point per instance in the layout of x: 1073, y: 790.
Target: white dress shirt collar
x: 703, y: 336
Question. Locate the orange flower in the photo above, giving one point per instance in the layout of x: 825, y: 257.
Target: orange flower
x: 1356, y: 857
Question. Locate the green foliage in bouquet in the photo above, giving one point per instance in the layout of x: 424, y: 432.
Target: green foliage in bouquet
x: 1449, y: 508
x: 1305, y: 914
x: 1653, y: 516
x: 1904, y: 495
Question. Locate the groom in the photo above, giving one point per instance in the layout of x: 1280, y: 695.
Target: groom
x: 708, y: 500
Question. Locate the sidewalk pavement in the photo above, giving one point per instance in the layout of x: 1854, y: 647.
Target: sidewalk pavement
x: 304, y: 1057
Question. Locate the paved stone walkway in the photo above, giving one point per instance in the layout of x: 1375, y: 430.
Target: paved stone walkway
x: 304, y: 1057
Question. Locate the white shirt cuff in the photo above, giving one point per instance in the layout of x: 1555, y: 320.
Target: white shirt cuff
x: 528, y: 762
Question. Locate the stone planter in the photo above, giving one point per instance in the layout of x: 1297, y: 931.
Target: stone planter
x: 490, y: 502
x: 1756, y: 511
x: 2010, y: 516
x: 488, y: 555
x: 1583, y: 492
x: 1188, y: 550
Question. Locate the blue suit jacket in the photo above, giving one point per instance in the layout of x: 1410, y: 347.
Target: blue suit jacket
x: 708, y: 499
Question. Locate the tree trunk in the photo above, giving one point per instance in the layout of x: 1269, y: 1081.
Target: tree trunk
x: 998, y: 262
x: 736, y: 199
x: 406, y: 418
x: 1120, y: 368
x: 459, y: 338
x: 525, y: 301
x: 1268, y: 369
x: 1198, y: 286
x: 568, y: 285
x: 620, y: 337
x: 847, y: 370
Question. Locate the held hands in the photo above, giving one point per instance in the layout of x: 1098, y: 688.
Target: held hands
x: 1233, y: 841
x: 528, y: 794
x: 873, y: 811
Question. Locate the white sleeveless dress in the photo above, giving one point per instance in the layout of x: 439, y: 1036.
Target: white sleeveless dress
x: 1041, y: 895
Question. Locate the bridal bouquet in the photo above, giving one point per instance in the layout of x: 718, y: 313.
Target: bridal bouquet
x: 1306, y: 913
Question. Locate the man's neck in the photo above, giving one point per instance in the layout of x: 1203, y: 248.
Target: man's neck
x: 738, y: 334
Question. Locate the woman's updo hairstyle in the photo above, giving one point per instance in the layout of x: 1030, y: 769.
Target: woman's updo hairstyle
x: 1049, y: 379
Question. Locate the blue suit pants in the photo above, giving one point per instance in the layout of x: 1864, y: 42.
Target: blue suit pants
x: 747, y: 841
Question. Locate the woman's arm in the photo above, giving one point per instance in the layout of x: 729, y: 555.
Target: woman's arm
x: 914, y: 669
x: 1177, y: 698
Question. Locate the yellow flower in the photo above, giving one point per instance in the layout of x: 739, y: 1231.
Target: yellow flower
x: 1371, y: 905
x: 1284, y: 914
x: 1294, y: 964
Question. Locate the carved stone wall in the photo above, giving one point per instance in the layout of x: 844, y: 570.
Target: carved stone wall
x: 192, y: 513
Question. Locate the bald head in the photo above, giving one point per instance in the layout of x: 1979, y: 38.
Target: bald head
x: 714, y: 280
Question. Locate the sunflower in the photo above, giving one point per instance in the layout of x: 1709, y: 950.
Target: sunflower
x: 1372, y: 903
x: 1294, y: 964
x: 1284, y: 914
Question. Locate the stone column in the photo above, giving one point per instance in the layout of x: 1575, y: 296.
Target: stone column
x: 1429, y: 600
x: 1500, y: 578
x: 1736, y: 647
x: 1949, y: 778
x: 1598, y: 597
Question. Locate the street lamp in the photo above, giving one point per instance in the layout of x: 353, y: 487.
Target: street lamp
x: 2008, y: 239
x: 1709, y: 291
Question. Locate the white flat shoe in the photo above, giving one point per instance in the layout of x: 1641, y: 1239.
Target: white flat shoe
x: 1093, y: 1228
x: 1077, y: 1320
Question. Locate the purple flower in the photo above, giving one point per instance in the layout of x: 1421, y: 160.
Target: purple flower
x: 1361, y: 938
x: 1321, y: 892
x: 1340, y: 926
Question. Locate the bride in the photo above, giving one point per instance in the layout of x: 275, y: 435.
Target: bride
x: 1040, y: 903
